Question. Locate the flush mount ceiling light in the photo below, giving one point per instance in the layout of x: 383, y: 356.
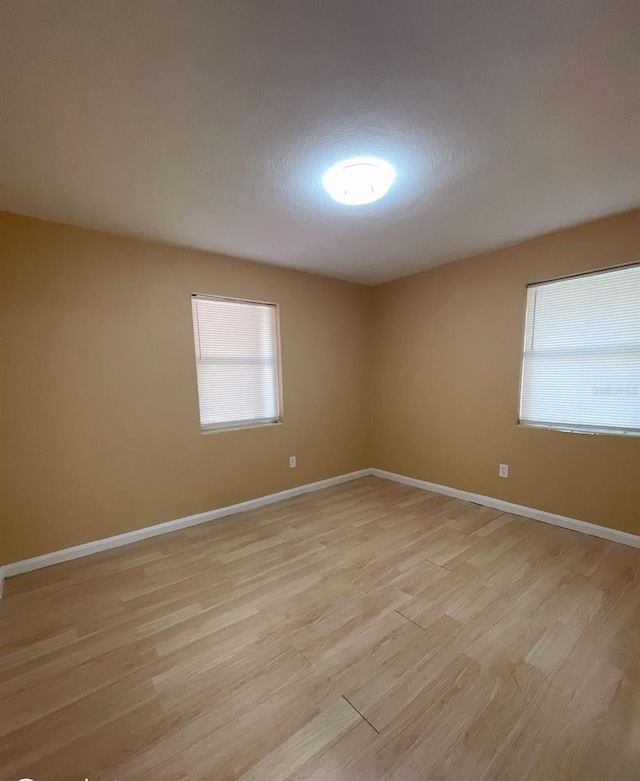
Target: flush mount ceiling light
x: 359, y: 180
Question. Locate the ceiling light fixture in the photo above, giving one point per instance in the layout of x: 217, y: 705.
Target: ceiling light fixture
x: 359, y: 180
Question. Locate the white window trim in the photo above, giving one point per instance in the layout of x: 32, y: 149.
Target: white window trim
x: 252, y: 422
x: 572, y: 428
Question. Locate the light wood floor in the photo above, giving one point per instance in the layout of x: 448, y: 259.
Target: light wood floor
x: 369, y: 631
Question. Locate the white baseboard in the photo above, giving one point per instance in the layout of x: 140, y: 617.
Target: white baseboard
x: 88, y: 548
x: 516, y: 509
x: 57, y: 557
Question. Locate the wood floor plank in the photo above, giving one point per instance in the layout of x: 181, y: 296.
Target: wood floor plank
x: 367, y: 632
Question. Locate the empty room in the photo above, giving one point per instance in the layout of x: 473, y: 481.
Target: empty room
x: 320, y: 396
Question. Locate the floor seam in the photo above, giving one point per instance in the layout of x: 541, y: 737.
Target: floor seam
x: 410, y: 620
x: 377, y: 731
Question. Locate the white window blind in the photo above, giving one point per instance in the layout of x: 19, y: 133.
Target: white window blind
x: 236, y: 362
x: 581, y: 367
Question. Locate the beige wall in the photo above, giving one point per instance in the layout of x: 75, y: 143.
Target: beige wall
x: 99, y: 427
x: 99, y: 420
x: 446, y: 370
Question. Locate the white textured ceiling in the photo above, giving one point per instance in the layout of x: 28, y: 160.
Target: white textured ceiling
x: 209, y: 123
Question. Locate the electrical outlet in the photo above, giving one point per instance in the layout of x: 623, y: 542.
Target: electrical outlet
x: 503, y: 471
x: 293, y: 463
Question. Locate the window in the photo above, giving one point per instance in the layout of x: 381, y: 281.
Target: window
x: 581, y: 367
x: 237, y: 362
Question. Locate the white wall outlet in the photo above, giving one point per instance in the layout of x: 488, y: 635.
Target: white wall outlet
x: 293, y: 463
x: 503, y: 471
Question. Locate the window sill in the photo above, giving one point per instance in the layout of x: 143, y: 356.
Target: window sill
x: 222, y: 430
x: 568, y: 430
